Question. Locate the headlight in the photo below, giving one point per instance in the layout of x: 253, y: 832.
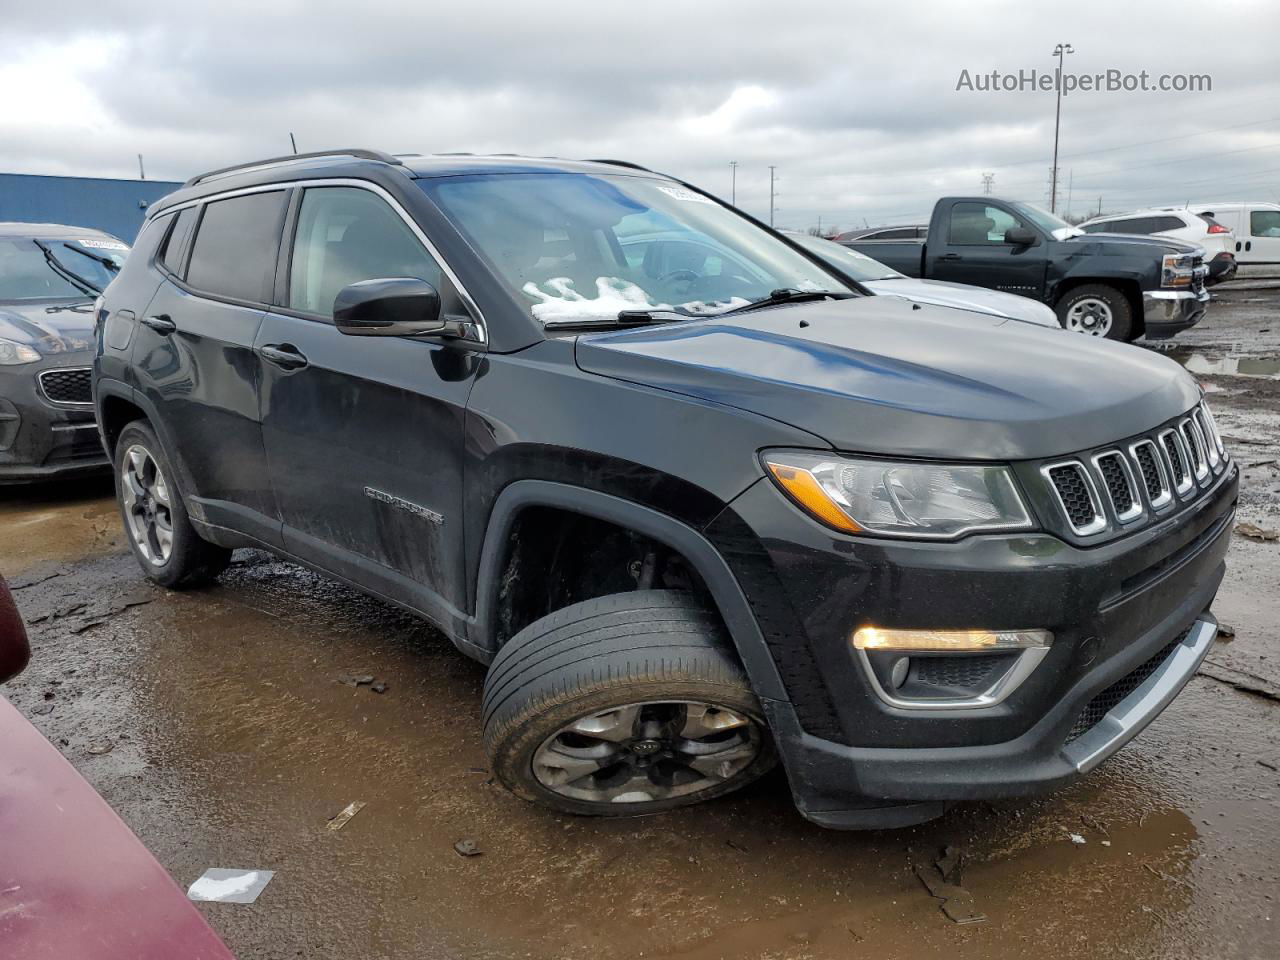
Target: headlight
x: 1177, y: 270
x: 882, y: 498
x: 12, y: 354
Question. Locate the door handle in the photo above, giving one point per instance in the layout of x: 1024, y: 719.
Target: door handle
x: 950, y: 256
x: 161, y: 324
x: 283, y: 356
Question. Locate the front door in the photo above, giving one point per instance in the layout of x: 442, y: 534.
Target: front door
x: 1263, y: 236
x: 364, y: 434
x: 973, y: 250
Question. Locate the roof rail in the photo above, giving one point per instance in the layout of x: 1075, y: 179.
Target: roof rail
x: 357, y: 152
x: 621, y: 163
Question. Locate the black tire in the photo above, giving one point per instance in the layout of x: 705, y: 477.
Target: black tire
x: 191, y: 561
x: 1116, y: 302
x: 662, y: 648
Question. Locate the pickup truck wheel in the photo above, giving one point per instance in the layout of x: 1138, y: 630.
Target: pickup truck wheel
x: 1097, y: 310
x: 165, y: 544
x: 626, y: 705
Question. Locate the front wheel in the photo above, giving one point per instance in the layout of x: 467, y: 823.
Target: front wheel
x: 626, y: 705
x: 1096, y: 310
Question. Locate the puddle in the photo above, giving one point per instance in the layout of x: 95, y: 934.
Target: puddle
x: 1267, y: 367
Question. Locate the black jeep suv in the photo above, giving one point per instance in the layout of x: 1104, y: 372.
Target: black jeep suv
x: 698, y: 501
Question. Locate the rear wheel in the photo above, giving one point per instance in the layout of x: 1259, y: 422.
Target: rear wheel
x: 625, y: 705
x: 1097, y: 310
x: 155, y: 518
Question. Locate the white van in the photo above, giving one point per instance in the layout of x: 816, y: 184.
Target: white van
x: 1256, y: 227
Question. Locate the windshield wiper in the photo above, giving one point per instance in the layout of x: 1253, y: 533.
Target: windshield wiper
x: 790, y: 295
x: 624, y: 319
x: 66, y: 273
x: 105, y: 261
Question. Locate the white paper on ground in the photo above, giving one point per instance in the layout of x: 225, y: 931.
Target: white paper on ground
x: 220, y: 885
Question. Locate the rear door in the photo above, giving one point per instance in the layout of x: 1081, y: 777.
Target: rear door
x: 364, y: 434
x: 194, y: 359
x: 972, y: 250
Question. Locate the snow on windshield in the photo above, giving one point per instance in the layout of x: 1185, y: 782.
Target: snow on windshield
x: 561, y: 301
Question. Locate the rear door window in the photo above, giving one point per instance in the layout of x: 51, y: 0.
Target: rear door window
x: 235, y: 248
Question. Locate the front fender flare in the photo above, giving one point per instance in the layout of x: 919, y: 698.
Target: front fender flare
x: 692, y: 545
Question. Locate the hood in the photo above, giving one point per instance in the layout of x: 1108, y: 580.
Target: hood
x: 880, y: 375
x: 1129, y: 243
x: 59, y: 326
x: 966, y: 297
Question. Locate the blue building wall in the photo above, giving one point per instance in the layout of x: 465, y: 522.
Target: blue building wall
x: 116, y: 206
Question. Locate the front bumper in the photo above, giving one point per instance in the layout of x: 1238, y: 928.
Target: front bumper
x: 855, y: 761
x: 40, y: 439
x: 1167, y: 312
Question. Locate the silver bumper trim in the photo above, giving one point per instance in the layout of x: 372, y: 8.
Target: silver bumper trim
x: 1131, y: 715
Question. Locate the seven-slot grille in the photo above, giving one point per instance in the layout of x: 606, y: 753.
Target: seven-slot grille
x: 1143, y: 477
x: 69, y: 385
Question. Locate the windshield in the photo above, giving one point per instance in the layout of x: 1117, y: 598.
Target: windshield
x: 580, y: 248
x: 1046, y: 221
x: 849, y: 262
x: 61, y: 269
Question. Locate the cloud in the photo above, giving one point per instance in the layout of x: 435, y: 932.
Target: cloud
x: 855, y: 105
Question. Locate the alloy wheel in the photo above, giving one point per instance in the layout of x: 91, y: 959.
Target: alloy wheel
x: 148, y: 507
x: 647, y: 752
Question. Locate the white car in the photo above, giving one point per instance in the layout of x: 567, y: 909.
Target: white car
x: 1182, y: 223
x: 1256, y: 227
x: 881, y: 280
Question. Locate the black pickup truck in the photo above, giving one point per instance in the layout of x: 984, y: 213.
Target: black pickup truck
x: 1115, y: 287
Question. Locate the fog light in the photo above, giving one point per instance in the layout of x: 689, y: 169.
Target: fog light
x: 950, y: 641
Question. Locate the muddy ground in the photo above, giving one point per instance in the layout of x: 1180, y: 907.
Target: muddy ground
x: 232, y: 743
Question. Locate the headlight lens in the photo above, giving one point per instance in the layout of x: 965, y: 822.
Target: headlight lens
x: 1177, y: 270
x: 12, y: 354
x: 884, y: 498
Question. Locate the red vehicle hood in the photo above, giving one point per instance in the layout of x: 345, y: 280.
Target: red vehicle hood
x: 74, y: 880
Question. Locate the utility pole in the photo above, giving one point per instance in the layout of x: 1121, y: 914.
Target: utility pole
x: 771, y: 193
x: 733, y: 183
x: 1071, y: 179
x: 293, y: 142
x: 142, y: 172
x: 1099, y: 213
x: 987, y: 180
x: 1060, y: 51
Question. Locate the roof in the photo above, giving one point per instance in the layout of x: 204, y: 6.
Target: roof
x: 355, y: 162
x: 16, y: 229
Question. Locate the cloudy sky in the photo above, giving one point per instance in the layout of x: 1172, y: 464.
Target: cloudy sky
x: 855, y: 103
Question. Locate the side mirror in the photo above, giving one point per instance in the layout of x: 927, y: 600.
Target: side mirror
x: 392, y: 307
x: 1020, y: 236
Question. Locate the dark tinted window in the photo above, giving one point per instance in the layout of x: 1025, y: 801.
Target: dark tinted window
x: 1160, y: 224
x: 235, y: 246
x: 1105, y: 227
x: 176, y: 242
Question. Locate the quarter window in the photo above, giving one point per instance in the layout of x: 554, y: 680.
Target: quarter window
x: 347, y: 234
x: 176, y: 243
x: 235, y: 246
